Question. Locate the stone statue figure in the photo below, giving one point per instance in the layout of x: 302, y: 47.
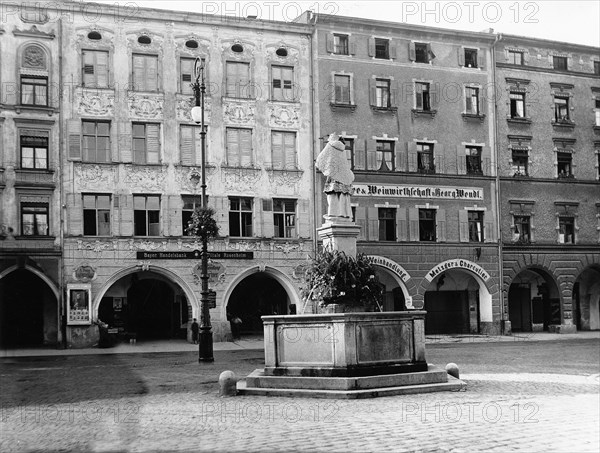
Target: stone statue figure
x: 335, y: 166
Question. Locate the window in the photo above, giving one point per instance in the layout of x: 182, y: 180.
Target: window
x: 342, y: 89
x: 387, y: 224
x: 189, y: 202
x: 382, y: 48
x: 560, y: 63
x: 146, y: 215
x: 566, y: 230
x: 473, y: 160
x: 475, y: 226
x: 597, y: 111
x: 522, y: 229
x: 96, y: 215
x: 284, y: 218
x: 145, y: 72
x: 282, y: 78
x: 427, y: 225
x: 240, y: 217
x: 423, y: 52
x: 517, y: 105
x: 34, y: 151
x: 472, y: 100
x: 515, y: 57
x: 471, y: 58
x: 422, y: 96
x: 95, y: 68
x: 239, y: 147
x: 561, y: 109
x: 565, y: 165
x: 520, y: 160
x: 283, y: 148
x: 385, y: 155
x: 190, y: 145
x: 146, y: 143
x: 597, y: 67
x: 425, y: 162
x: 349, y: 143
x: 238, y: 80
x: 186, y: 74
x: 340, y: 44
x: 96, y: 141
x: 34, y: 90
x: 34, y: 219
x: 382, y: 93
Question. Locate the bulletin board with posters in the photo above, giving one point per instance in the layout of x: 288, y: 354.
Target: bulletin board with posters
x: 79, y: 299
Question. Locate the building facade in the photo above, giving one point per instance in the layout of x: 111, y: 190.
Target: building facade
x: 548, y: 110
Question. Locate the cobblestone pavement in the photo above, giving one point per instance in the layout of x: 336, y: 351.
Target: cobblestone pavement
x: 521, y: 396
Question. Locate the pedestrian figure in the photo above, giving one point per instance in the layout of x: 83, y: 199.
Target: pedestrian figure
x: 236, y: 325
x: 195, y: 330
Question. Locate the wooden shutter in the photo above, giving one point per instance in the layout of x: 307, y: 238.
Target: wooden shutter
x: 394, y: 90
x: 434, y: 96
x: 486, y: 156
x: 151, y: 73
x: 371, y: 47
x: 138, y: 76
x: 124, y: 131
x: 401, y: 224
x: 411, y: 148
x: 303, y: 219
x: 277, y: 149
x: 461, y: 56
x: 116, y: 216
x: 246, y: 147
x: 221, y: 205
x: 361, y: 221
x: 463, y: 225
x: 372, y: 159
x: 393, y: 50
x: 126, y: 207
x: 233, y: 147
x: 440, y: 222
x: 489, y: 227
x: 372, y: 92
x: 88, y: 69
x: 186, y: 68
x: 74, y: 127
x: 400, y: 156
x: 175, y: 205
x: 360, y: 158
x: 75, y: 213
x: 413, y: 224
x: 329, y: 43
x: 526, y: 56
x: 231, y: 78
x: 373, y: 221
x: 289, y: 150
x: 266, y: 218
x: 152, y: 143
x: 438, y: 158
x: 412, y: 53
x: 481, y: 59
x: 102, y: 69
x: 186, y: 145
x: 351, y: 45
x: 461, y: 162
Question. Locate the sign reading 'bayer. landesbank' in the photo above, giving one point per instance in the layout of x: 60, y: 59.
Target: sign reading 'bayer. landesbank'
x: 411, y: 191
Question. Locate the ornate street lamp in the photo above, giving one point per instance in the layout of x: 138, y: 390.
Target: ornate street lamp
x: 205, y: 349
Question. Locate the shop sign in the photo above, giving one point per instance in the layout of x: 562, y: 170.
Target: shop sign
x: 78, y: 304
x: 412, y: 191
x: 194, y: 255
x: 391, y: 265
x: 457, y: 263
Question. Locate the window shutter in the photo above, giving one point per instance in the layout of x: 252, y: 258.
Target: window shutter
x: 186, y: 145
x: 267, y: 221
x: 411, y: 148
x: 434, y: 98
x: 413, y: 224
x: 303, y: 219
x: 526, y: 56
x: 461, y: 160
x: 151, y: 75
x: 75, y: 212
x: 361, y: 221
x: 277, y: 149
x: 430, y: 53
x: 394, y: 90
x: 506, y: 54
x: 152, y: 143
x: 221, y: 205
x: 351, y: 45
x: 88, y: 68
x: 393, y: 51
x: 481, y: 59
x: 102, y: 68
x: 175, y: 208
x: 233, y: 147
x: 360, y: 158
x: 126, y: 207
x: 138, y: 76
x: 400, y: 156
x: 289, y: 150
x: 440, y: 220
x: 371, y: 47
x: 461, y: 56
x: 401, y: 224
x: 489, y: 228
x: 373, y: 221
x: 329, y: 43
x: 74, y: 127
x: 246, y: 147
x: 372, y: 92
x: 231, y: 78
x: 124, y: 141
x: 438, y: 158
x: 412, y: 54
x: 463, y: 225
x: 372, y: 159
x: 483, y: 100
x: 486, y: 159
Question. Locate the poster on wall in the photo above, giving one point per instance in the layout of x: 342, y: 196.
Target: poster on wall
x: 79, y: 311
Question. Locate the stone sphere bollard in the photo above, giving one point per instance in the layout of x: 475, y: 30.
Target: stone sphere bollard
x: 452, y: 370
x: 227, y: 384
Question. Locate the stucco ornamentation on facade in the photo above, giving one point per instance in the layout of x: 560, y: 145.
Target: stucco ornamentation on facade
x: 96, y: 103
x: 241, y: 179
x: 145, y: 178
x: 96, y: 246
x: 284, y: 115
x: 238, y: 112
x: 147, y: 107
x: 184, y: 108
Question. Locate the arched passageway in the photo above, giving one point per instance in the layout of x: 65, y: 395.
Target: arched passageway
x: 586, y: 299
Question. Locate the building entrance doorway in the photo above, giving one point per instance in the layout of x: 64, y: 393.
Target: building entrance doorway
x: 257, y: 295
x: 146, y: 305
x: 586, y: 299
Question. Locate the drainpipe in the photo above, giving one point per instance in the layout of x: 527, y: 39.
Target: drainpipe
x: 62, y: 319
x: 498, y: 209
x: 315, y: 120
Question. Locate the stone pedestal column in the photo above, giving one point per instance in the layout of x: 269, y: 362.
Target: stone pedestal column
x: 339, y: 234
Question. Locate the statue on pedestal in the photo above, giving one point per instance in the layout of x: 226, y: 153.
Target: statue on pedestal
x: 335, y: 166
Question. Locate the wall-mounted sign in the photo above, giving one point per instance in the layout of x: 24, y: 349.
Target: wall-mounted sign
x: 457, y: 263
x: 391, y: 265
x: 424, y: 192
x: 195, y: 255
x: 79, y: 298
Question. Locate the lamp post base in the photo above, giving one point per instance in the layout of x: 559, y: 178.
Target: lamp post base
x: 205, y: 348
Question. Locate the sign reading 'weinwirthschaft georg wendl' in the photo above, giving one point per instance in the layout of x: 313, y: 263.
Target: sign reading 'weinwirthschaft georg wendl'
x: 410, y: 191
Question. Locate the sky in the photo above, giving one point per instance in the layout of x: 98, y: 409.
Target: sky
x: 571, y: 21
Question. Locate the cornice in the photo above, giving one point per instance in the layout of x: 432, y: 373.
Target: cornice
x: 33, y: 32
